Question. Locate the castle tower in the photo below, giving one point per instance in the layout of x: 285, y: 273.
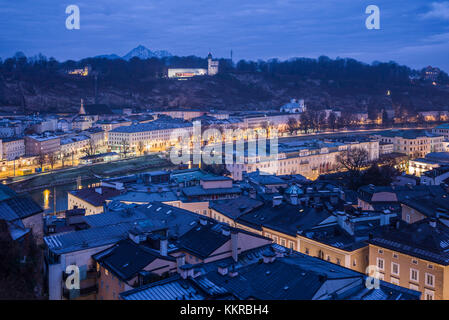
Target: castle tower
x: 82, y: 111
x: 212, y: 66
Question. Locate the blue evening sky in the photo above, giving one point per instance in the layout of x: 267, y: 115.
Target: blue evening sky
x: 413, y: 32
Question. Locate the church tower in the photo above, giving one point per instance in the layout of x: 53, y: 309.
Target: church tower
x: 212, y: 66
x: 82, y: 111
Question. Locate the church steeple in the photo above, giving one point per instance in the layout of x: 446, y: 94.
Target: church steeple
x: 82, y: 111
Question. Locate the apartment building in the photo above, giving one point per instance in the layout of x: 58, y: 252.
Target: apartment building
x: 414, y: 256
x: 414, y: 143
x: 303, y: 222
x: 152, y: 135
x: 46, y: 144
x: 74, y: 144
x: 12, y: 148
x: 90, y: 199
x: 308, y: 158
x: 442, y: 129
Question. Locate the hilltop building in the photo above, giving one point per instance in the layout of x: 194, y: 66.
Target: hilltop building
x: 185, y: 73
x: 212, y: 65
x: 294, y: 106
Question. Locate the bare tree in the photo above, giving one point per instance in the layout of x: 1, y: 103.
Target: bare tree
x: 332, y: 121
x: 141, y: 147
x: 292, y: 125
x: 265, y: 126
x: 52, y: 159
x: 353, y: 160
x: 90, y: 148
x: 124, y: 147
x: 41, y: 160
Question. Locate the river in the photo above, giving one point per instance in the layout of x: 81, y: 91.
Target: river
x: 45, y: 196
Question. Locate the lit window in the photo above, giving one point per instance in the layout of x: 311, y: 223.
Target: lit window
x: 430, y: 280
x: 429, y: 295
x: 414, y: 275
x: 380, y: 263
x: 395, y: 268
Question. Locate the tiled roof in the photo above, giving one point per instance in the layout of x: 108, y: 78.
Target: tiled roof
x: 22, y: 206
x: 125, y: 259
x: 200, y: 191
x: 292, y: 276
x: 418, y: 239
x: 96, y: 199
x: 234, y: 208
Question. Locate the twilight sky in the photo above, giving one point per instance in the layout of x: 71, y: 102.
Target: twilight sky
x: 413, y: 32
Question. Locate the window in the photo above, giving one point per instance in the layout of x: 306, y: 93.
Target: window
x: 307, y: 250
x: 380, y: 263
x: 430, y: 280
x: 407, y: 218
x: 354, y: 263
x: 106, y: 271
x: 429, y: 295
x: 414, y: 275
x: 414, y: 261
x: 395, y: 268
x: 291, y: 245
x: 338, y: 261
x: 380, y: 251
x: 395, y: 255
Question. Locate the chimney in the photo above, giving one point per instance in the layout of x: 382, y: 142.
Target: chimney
x: 223, y: 269
x: 268, y: 256
x: 385, y: 218
x: 180, y: 261
x: 433, y: 222
x: 163, y: 246
x: 277, y: 200
x: 341, y: 217
x: 233, y: 271
x: 294, y: 199
x: 98, y: 190
x: 186, y: 271
x: 225, y: 231
x: 235, y: 244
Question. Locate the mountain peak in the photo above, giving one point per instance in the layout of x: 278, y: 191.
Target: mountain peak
x: 143, y: 53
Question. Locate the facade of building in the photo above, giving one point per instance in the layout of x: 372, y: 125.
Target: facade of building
x: 12, y: 148
x: 152, y: 135
x: 36, y: 145
x: 442, y: 130
x: 414, y: 256
x: 295, y: 106
x: 212, y: 66
x: 414, y: 143
x: 309, y: 159
x: 90, y: 199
